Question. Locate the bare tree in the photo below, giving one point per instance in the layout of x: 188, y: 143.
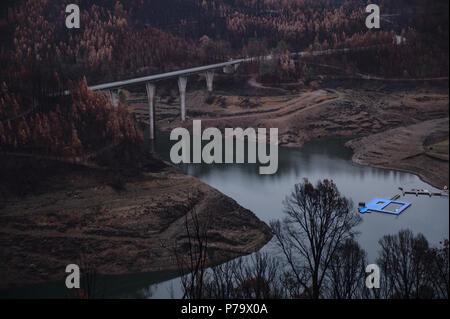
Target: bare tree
x: 249, y: 277
x: 346, y: 275
x: 191, y: 257
x: 318, y: 220
x: 257, y: 277
x: 404, y: 262
x: 439, y: 269
x: 220, y: 282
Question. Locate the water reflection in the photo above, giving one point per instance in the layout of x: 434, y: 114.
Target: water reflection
x: 263, y: 194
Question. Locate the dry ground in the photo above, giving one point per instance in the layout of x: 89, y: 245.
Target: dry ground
x: 305, y: 114
x: 118, y: 232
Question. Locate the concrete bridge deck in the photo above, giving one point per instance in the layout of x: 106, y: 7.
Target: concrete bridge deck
x: 163, y: 76
x: 208, y: 70
x: 149, y: 81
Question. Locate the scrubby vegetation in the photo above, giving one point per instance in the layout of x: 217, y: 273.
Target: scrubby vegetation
x: 40, y: 58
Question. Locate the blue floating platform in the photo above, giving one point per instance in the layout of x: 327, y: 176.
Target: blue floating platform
x: 387, y: 206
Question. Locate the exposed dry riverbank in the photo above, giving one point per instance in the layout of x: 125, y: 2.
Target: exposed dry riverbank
x: 420, y: 149
x: 128, y: 226
x: 126, y: 231
x: 304, y: 114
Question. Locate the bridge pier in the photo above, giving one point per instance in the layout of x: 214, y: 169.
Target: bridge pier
x: 229, y: 69
x: 114, y: 97
x: 209, y: 80
x: 182, y: 82
x: 151, y: 89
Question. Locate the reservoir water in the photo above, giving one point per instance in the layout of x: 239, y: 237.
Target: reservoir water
x: 264, y: 194
x: 320, y: 159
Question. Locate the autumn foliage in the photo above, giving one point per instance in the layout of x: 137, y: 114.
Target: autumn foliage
x: 40, y: 58
x: 86, y: 123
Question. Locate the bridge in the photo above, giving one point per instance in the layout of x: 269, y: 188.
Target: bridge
x: 208, y: 70
x: 149, y: 81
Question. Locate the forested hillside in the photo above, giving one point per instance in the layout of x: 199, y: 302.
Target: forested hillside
x: 40, y: 58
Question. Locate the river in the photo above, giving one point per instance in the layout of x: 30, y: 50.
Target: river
x: 326, y: 158
x: 264, y: 194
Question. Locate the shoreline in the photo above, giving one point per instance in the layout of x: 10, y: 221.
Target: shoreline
x: 354, y: 161
x: 395, y: 169
x: 423, y: 177
x: 406, y: 149
x: 83, y: 220
x: 349, y: 114
x: 356, y: 113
